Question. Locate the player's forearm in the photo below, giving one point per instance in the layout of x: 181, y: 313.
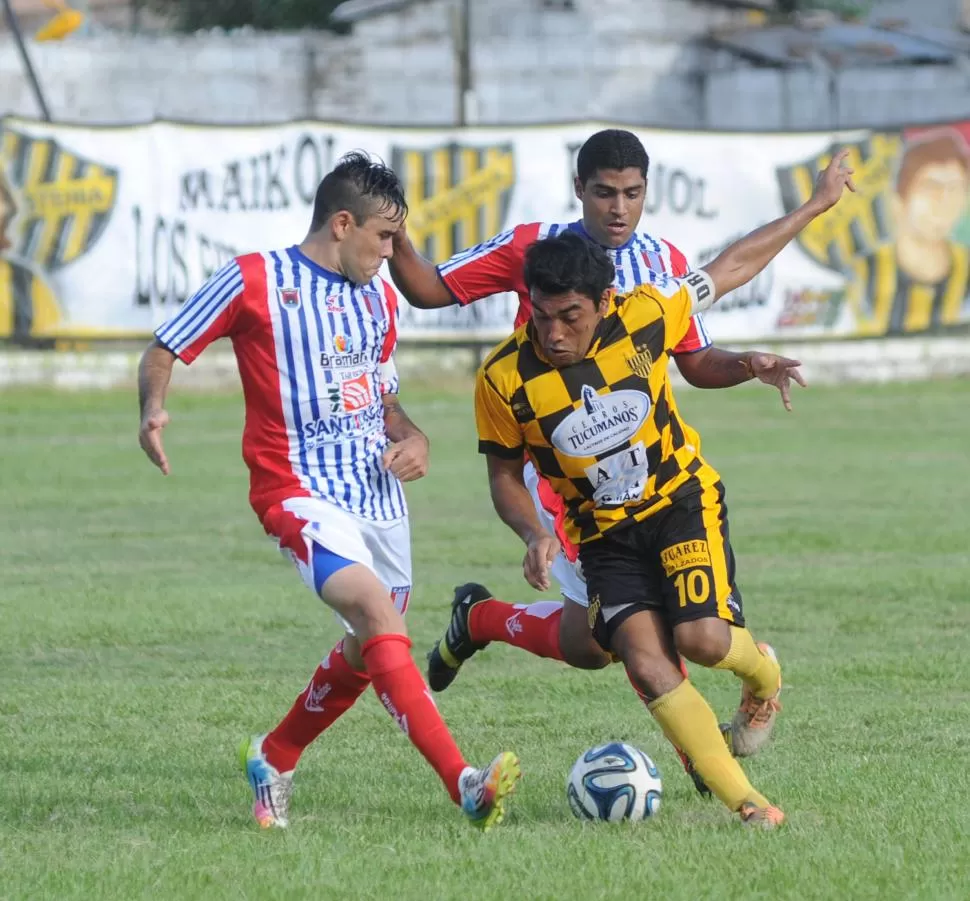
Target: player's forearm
x: 744, y: 259
x: 154, y: 376
x: 715, y: 368
x: 417, y: 278
x: 514, y: 506
x: 397, y: 423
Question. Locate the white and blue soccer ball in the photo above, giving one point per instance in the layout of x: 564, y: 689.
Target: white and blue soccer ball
x: 614, y: 782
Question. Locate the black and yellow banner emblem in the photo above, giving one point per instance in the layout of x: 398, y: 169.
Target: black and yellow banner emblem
x: 54, y: 206
x: 894, y: 239
x: 458, y: 195
x: 67, y: 199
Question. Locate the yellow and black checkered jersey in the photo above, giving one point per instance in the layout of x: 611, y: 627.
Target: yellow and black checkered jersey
x: 605, y: 431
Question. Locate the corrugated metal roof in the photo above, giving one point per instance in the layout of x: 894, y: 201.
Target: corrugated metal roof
x: 841, y: 45
x: 355, y: 10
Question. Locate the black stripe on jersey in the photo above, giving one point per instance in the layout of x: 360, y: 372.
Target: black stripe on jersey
x: 509, y: 347
x: 583, y: 373
x: 528, y: 363
x: 652, y: 337
x: 549, y: 423
x: 500, y: 450
x: 654, y: 454
x: 521, y: 408
x: 612, y: 329
x: 661, y: 414
x: 547, y: 464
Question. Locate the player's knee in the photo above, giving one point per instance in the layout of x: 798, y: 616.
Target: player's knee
x: 652, y: 675
x: 588, y: 655
x: 703, y: 641
x: 579, y: 648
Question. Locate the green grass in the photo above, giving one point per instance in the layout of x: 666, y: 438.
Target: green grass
x: 148, y: 625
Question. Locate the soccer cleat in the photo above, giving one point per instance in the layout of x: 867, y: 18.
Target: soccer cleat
x: 769, y: 817
x: 271, y: 789
x: 450, y: 652
x: 483, y: 792
x: 698, y: 779
x: 753, y: 723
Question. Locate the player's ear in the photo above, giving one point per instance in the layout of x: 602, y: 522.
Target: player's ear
x: 578, y: 188
x: 604, y: 303
x: 340, y: 224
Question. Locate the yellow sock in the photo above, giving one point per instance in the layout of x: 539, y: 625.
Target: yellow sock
x: 689, y: 722
x: 759, y: 672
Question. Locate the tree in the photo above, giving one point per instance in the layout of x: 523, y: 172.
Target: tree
x: 265, y: 15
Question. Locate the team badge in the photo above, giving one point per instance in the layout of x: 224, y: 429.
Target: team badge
x: 641, y: 362
x: 289, y: 298
x: 341, y: 344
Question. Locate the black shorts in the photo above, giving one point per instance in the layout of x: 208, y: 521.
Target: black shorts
x: 678, y: 561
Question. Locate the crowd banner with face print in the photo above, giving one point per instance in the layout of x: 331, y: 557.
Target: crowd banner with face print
x: 104, y: 232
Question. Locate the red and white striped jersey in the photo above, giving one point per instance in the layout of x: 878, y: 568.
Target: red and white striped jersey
x: 496, y: 266
x: 315, y: 358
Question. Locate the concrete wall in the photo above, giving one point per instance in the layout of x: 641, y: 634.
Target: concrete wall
x: 631, y: 61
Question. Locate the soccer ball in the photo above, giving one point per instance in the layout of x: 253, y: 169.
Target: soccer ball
x: 614, y: 782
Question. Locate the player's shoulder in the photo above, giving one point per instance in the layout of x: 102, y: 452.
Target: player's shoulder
x: 672, y: 259
x: 501, y: 365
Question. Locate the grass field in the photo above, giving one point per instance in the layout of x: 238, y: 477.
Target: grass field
x: 148, y: 626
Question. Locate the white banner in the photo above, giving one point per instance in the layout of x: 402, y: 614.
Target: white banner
x: 105, y: 231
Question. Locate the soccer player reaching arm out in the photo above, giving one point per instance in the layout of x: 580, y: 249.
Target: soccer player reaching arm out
x: 583, y: 390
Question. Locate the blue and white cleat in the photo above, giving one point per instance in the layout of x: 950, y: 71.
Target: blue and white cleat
x: 271, y: 788
x: 483, y: 792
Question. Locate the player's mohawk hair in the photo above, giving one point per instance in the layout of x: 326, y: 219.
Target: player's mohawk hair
x: 360, y: 185
x: 612, y: 148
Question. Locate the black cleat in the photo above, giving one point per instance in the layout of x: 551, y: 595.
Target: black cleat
x: 450, y: 652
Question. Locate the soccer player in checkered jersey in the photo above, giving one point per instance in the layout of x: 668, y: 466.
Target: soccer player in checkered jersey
x: 611, y: 183
x: 328, y: 446
x: 582, y: 388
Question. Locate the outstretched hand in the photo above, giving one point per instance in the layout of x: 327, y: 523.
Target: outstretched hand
x: 831, y: 181
x: 778, y: 371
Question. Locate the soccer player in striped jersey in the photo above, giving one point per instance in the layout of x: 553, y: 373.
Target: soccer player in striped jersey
x: 611, y: 183
x: 328, y: 446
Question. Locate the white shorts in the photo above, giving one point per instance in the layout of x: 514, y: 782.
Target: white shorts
x: 383, y: 547
x: 568, y: 575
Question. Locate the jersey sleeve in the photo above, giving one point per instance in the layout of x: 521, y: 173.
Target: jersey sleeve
x: 491, y: 267
x: 696, y: 337
x: 677, y: 299
x: 208, y: 314
x: 390, y: 383
x: 499, y: 435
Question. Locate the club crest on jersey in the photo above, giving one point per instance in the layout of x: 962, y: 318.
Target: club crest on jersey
x: 641, y: 362
x: 374, y: 304
x: 340, y: 344
x: 289, y: 298
x: 464, y: 191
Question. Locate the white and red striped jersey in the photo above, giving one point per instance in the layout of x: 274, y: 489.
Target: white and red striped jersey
x: 315, y: 354
x: 496, y: 266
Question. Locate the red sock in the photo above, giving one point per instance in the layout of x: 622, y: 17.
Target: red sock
x: 332, y: 691
x: 404, y: 695
x: 534, y: 628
